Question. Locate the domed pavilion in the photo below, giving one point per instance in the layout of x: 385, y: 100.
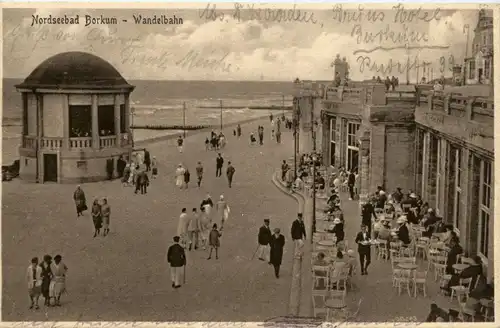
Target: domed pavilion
x: 75, y: 119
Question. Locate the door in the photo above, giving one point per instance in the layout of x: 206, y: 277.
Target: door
x: 49, y: 168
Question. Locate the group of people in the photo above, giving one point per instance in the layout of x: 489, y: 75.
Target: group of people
x: 47, y: 279
x: 183, y: 176
x: 135, y: 175
x: 100, y: 211
x: 390, y: 83
x: 217, y: 141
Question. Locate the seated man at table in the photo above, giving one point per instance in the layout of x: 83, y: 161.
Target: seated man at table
x: 320, y: 261
x: 437, y: 312
x: 455, y: 249
x: 338, y: 229
x: 446, y: 236
x: 385, y: 230
x: 397, y: 195
x: 403, y: 232
x: 338, y: 265
x: 473, y: 271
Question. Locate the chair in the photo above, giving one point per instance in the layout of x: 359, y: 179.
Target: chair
x: 318, y: 300
x: 404, y: 281
x: 339, y: 281
x: 408, y: 251
x: 420, y: 280
x: 421, y: 247
x: 336, y: 302
x: 320, y: 273
x: 394, y: 249
x: 440, y: 263
x: 383, y: 252
x: 445, y: 279
x: 462, y: 289
x: 487, y: 307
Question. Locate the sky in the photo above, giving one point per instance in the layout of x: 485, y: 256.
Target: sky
x: 244, y: 44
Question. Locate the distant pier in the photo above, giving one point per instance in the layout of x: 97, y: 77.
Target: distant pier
x: 170, y: 127
x: 287, y: 108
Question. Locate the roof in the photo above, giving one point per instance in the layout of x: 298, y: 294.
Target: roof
x: 75, y: 70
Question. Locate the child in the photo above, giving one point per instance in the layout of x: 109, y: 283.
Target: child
x: 154, y: 168
x: 207, y: 143
x: 214, y: 242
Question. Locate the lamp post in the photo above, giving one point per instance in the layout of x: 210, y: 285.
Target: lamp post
x: 221, y: 116
x: 184, y: 119
x: 315, y: 158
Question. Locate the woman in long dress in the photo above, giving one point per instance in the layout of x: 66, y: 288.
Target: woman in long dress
x: 206, y: 223
x: 105, y: 212
x: 126, y: 174
x: 222, y: 211
x: 80, y: 202
x: 132, y: 174
x: 46, y: 278
x: 96, y: 217
x: 179, y: 176
x: 154, y: 168
x: 58, y: 283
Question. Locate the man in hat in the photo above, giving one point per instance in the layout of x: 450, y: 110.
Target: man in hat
x: 176, y: 257
x: 367, y: 211
x: 263, y: 239
x: 277, y: 243
x: 284, y: 169
x: 298, y: 229
x: 381, y: 199
x: 351, y: 180
x: 338, y: 229
x: 474, y: 271
x: 199, y: 173
x: 403, y: 233
x: 219, y: 162
x: 230, y: 173
x: 397, y: 196
x: 363, y: 241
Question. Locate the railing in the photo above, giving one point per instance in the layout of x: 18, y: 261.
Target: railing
x: 51, y: 142
x: 483, y: 106
x: 80, y: 142
x: 352, y: 95
x: 438, y: 101
x: 29, y: 142
x: 407, y: 96
x: 107, y: 142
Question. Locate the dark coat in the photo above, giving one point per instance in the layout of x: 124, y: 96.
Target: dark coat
x: 351, y: 179
x: 277, y: 244
x: 359, y: 238
x: 230, y: 171
x: 219, y: 161
x: 367, y: 213
x: 187, y: 176
x: 338, y: 230
x: 264, y: 235
x: 298, y: 229
x: 404, y: 234
x: 176, y: 256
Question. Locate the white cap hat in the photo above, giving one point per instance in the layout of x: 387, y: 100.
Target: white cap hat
x: 412, y: 195
x: 430, y: 210
x: 381, y: 192
x: 403, y: 217
x: 350, y: 252
x: 400, y: 220
x: 221, y: 197
x: 336, y: 221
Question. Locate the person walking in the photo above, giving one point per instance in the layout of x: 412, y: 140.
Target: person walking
x: 199, y: 173
x: 238, y: 130
x: 222, y: 211
x: 187, y: 177
x: 154, y: 168
x: 351, y: 181
x: 179, y: 176
x: 263, y: 239
x: 205, y: 225
x: 284, y: 169
x: 34, y: 280
x: 96, y: 217
x: 364, y: 245
x: 142, y: 182
x: 147, y: 160
x: 105, y: 212
x: 277, y: 243
x: 180, y: 143
x: 219, y: 162
x: 182, y: 227
x: 230, y: 173
x: 80, y: 202
x: 278, y: 136
x: 214, y: 241
x: 176, y: 257
x: 194, y: 229
x: 46, y: 278
x: 298, y: 230
x: 58, y: 283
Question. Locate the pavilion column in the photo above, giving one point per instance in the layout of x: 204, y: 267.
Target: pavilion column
x: 364, y: 169
x: 65, y: 141
x: 117, y: 121
x: 95, y: 123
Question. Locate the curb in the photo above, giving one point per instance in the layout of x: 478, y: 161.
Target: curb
x: 296, y: 285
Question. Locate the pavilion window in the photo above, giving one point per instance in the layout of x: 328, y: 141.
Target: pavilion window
x: 487, y: 67
x: 485, y: 210
x: 80, y: 121
x: 352, y: 146
x: 123, y: 122
x: 472, y: 69
x: 433, y: 177
x: 333, y: 139
x: 106, y: 120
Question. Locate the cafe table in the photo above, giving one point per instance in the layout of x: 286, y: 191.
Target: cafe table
x: 336, y: 305
x: 459, y: 267
x: 408, y: 266
x: 326, y: 243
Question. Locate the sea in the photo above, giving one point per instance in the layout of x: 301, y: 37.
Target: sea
x: 161, y: 102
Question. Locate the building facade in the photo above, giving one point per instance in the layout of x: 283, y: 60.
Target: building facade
x: 440, y: 146
x: 479, y: 67
x: 75, y: 119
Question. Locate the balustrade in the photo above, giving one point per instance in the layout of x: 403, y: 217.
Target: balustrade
x: 80, y: 142
x: 107, y: 142
x: 51, y: 143
x: 29, y: 142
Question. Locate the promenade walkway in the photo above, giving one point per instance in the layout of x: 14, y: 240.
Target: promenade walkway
x: 124, y: 276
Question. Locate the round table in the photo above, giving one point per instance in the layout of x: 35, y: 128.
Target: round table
x: 326, y: 243
x: 459, y: 267
x: 408, y: 266
x: 335, y: 305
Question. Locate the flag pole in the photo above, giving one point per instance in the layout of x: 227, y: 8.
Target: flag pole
x: 184, y: 119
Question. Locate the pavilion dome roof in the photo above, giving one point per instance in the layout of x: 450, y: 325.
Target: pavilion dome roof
x: 75, y: 70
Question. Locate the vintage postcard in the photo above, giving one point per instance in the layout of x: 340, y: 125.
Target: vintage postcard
x: 280, y: 165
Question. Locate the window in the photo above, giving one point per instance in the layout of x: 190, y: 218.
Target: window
x: 123, y: 119
x: 485, y: 207
x: 456, y: 154
x: 472, y: 69
x: 438, y: 174
x: 106, y: 120
x: 80, y: 121
x: 352, y: 146
x: 487, y: 64
x: 432, y: 169
x: 333, y: 139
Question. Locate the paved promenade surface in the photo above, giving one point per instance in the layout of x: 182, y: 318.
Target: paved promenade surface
x: 124, y: 276
x: 381, y: 301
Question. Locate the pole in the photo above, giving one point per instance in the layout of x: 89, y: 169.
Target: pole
x: 466, y: 53
x: 294, y: 149
x: 314, y: 170
x: 416, y: 66
x: 221, y: 115
x: 283, y: 103
x: 184, y: 119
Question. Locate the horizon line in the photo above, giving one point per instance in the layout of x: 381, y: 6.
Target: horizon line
x: 138, y: 79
